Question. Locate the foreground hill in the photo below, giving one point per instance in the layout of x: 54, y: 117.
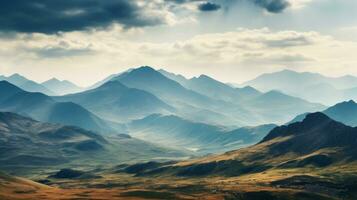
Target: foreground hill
x: 28, y: 144
x: 316, y: 141
x: 44, y: 108
x: 198, y: 137
x: 25, y: 84
x: 317, y: 155
x: 114, y: 100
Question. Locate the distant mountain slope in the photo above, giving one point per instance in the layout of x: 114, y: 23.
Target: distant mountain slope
x: 26, y: 143
x: 273, y: 104
x: 44, y: 108
x: 199, y: 137
x: 61, y: 87
x: 345, y: 112
x: 310, y: 86
x: 115, y: 101
x: 208, y: 86
x: 26, y: 84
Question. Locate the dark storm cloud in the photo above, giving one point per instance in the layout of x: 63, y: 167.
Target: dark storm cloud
x: 274, y: 6
x: 52, y: 16
x: 207, y: 6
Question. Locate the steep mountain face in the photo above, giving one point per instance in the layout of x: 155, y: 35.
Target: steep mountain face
x: 307, y: 85
x: 26, y: 143
x: 316, y: 132
x: 345, y: 112
x: 198, y: 137
x: 61, y: 87
x: 26, y: 84
x: 113, y: 100
x: 44, y: 108
x: 148, y: 79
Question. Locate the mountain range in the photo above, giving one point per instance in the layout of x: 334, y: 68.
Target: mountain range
x: 143, y: 91
x: 206, y: 100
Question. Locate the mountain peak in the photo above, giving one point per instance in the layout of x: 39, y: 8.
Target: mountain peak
x: 288, y: 71
x: 17, y: 78
x: 202, y: 76
x: 145, y: 69
x: 317, y: 118
x: 346, y: 106
x: 54, y: 80
x: 312, y: 121
x: 16, y: 75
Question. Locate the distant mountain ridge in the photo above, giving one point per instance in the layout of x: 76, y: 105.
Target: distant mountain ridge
x: 307, y: 85
x: 61, y: 87
x: 25, y: 84
x: 344, y: 112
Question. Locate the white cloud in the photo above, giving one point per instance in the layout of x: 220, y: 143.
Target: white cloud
x: 229, y: 56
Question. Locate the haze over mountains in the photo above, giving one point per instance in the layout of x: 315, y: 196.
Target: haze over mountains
x: 203, y: 113
x: 50, y: 87
x: 61, y: 87
x: 199, y: 104
x: 310, y: 86
x: 26, y: 84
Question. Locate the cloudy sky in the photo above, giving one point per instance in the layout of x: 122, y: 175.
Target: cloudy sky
x: 231, y: 40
